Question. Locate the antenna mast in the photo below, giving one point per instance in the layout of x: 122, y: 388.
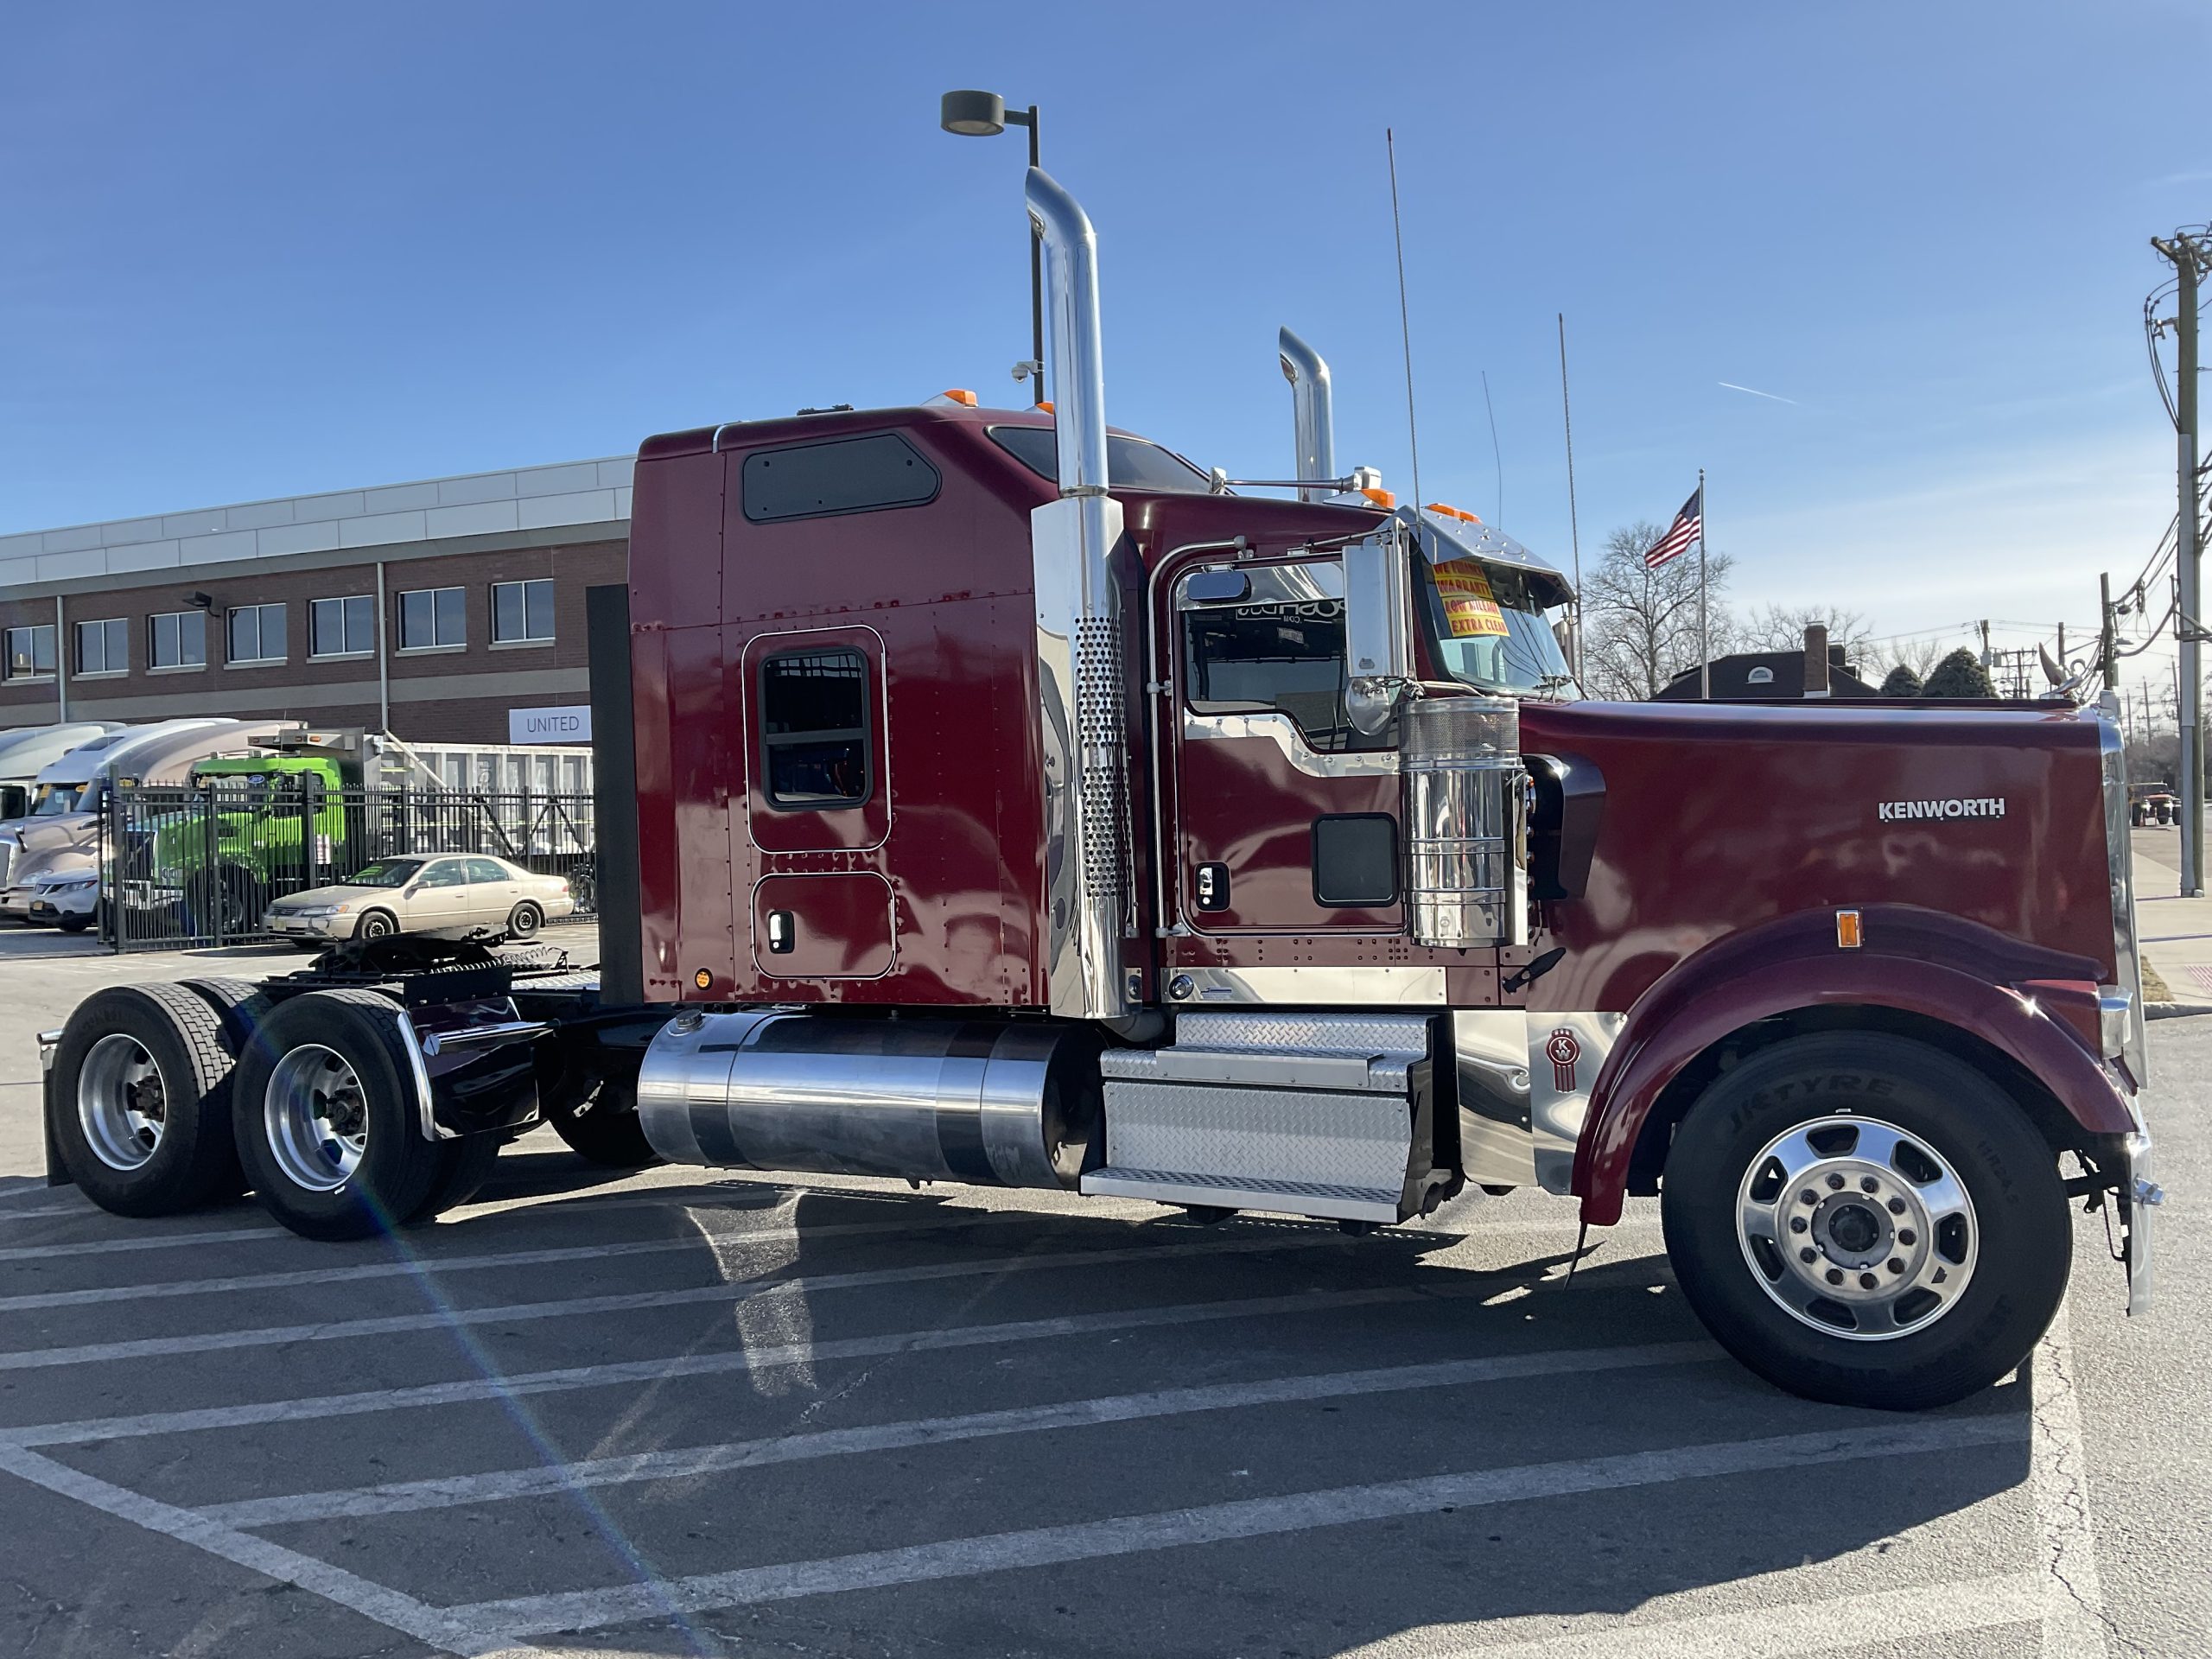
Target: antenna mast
x: 1574, y: 524
x: 1405, y: 328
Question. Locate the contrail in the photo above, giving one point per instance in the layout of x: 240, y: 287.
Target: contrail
x: 1756, y: 392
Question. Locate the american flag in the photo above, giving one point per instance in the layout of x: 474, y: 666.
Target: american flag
x: 1688, y: 525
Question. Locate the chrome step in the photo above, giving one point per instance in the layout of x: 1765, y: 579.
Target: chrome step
x: 1294, y: 1113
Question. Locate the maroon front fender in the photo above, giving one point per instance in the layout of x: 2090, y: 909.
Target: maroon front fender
x: 1914, y: 962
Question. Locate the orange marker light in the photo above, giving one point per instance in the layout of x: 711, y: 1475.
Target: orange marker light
x: 1044, y: 406
x: 960, y: 395
x: 1382, y: 498
x: 1848, y: 936
x: 703, y: 979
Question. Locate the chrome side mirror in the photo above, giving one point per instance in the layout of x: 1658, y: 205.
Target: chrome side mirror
x: 1378, y: 659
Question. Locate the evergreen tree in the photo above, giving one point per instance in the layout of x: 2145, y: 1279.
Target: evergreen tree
x: 1902, y: 683
x: 1960, y: 674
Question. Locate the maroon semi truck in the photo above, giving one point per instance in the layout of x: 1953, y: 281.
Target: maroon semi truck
x: 991, y: 796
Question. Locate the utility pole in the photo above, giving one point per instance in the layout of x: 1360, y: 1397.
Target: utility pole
x: 2108, y: 657
x: 2187, y: 252
x: 1985, y: 642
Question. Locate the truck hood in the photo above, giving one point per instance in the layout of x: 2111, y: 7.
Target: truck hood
x: 55, y: 834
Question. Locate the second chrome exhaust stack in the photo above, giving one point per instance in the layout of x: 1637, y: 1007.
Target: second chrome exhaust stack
x: 1081, y: 687
x: 1315, y: 417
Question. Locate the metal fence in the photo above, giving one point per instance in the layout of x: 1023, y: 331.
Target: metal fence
x: 204, y: 864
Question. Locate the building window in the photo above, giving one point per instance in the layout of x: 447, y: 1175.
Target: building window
x: 430, y: 617
x: 814, y: 729
x: 103, y: 647
x: 341, y: 627
x: 522, y: 611
x: 177, y: 639
x: 257, y: 633
x: 30, y: 652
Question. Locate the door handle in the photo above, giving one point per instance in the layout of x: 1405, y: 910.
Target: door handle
x: 1213, y: 886
x: 783, y: 932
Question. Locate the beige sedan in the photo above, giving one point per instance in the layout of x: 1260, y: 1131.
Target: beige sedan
x: 445, y: 892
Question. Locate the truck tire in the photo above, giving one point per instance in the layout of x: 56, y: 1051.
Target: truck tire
x: 324, y: 1111
x: 463, y: 1166
x: 603, y: 1128
x: 1862, y: 1219
x: 238, y: 1004
x: 140, y: 1111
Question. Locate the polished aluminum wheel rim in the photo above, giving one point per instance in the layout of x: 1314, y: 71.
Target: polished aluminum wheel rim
x: 316, y: 1116
x: 122, y: 1104
x: 1856, y: 1229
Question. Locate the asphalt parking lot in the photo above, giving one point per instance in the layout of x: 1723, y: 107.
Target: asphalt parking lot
x: 678, y: 1413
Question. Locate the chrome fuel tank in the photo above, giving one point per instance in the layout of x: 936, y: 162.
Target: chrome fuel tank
x: 992, y: 1104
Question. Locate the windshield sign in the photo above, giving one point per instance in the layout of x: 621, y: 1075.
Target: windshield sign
x: 1486, y: 628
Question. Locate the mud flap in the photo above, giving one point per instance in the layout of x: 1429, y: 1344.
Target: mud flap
x: 2143, y: 1195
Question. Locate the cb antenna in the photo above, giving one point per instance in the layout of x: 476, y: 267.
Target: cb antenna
x: 1405, y: 328
x: 1497, y: 458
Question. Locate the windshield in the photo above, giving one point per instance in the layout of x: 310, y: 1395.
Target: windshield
x: 1486, y: 628
x: 1131, y: 463
x: 55, y: 799
x: 387, y: 873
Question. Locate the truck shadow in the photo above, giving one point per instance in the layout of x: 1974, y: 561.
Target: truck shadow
x: 1580, y: 1529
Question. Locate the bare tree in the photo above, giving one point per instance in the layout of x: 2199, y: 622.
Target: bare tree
x: 1919, y: 657
x: 1781, y: 627
x: 1639, y: 625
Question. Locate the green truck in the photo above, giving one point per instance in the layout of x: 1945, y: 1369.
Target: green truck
x: 253, y: 826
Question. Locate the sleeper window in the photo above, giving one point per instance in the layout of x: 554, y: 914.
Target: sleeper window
x: 814, y: 729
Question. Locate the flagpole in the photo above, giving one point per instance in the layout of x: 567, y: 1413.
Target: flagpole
x: 1704, y: 636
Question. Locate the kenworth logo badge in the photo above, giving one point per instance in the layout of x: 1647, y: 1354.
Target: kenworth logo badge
x: 1564, y: 1049
x: 1894, y: 811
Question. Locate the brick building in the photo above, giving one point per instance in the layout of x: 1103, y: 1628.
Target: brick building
x: 432, y: 610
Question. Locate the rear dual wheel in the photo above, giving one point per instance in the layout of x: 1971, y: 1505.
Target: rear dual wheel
x: 324, y: 1111
x: 1864, y: 1219
x: 139, y: 1109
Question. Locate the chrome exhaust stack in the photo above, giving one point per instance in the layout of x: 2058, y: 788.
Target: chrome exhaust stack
x: 1088, y: 859
x: 1313, y: 413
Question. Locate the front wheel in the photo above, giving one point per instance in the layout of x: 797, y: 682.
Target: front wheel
x: 1862, y: 1219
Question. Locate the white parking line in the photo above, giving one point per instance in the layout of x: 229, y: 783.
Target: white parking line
x: 1092, y: 1541
x: 681, y: 1463
x: 2074, y: 1619
x: 415, y: 1267
x: 630, y: 1301
x: 140, y: 1241
x: 311, y: 1409
x: 1879, y: 1617
x: 933, y: 1220
x: 84, y: 1207
x: 386, y: 1606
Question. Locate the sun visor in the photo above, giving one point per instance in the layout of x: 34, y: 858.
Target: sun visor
x: 1443, y: 541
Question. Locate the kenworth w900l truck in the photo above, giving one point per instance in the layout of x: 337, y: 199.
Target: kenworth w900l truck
x: 991, y: 796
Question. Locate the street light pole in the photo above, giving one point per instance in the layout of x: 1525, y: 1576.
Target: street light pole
x: 984, y: 114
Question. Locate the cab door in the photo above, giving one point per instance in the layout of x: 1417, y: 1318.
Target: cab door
x: 1286, y: 816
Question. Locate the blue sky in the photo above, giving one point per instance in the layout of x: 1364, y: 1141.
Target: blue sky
x: 257, y: 252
